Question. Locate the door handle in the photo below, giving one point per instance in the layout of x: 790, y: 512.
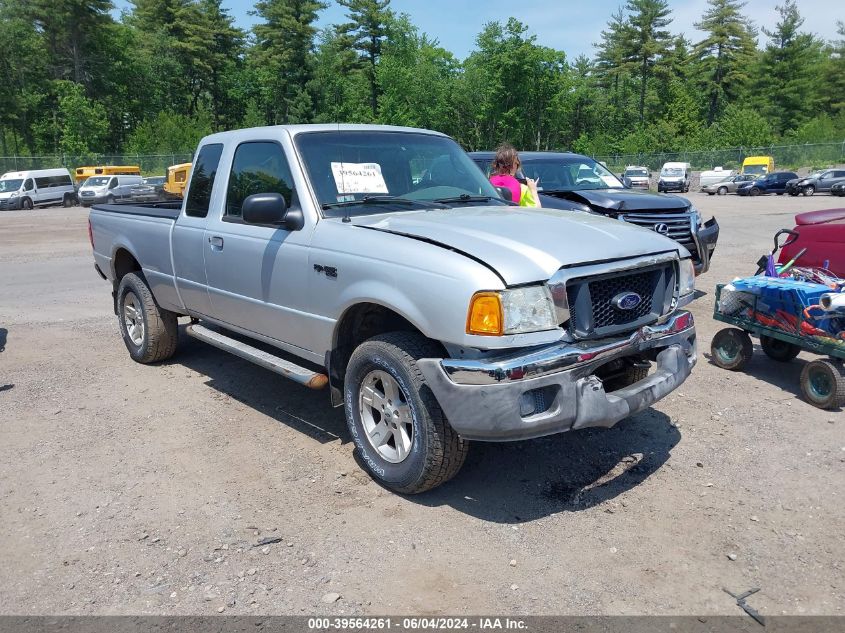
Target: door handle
x: 216, y: 242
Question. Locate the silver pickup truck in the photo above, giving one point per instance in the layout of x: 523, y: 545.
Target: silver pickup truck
x: 379, y: 262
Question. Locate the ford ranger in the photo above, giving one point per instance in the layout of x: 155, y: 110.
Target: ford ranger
x: 379, y: 262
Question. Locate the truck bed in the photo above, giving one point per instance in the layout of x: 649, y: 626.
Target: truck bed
x: 169, y: 210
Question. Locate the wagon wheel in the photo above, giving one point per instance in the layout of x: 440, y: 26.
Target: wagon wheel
x: 731, y: 348
x: 823, y: 384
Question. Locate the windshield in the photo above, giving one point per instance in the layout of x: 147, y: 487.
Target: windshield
x: 636, y: 173
x: 672, y: 171
x: 400, y: 171
x: 569, y: 173
x: 96, y: 181
x: 10, y: 185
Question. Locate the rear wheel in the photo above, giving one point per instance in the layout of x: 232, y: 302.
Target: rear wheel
x: 722, y: 191
x: 731, y: 349
x: 809, y: 190
x: 149, y: 332
x: 67, y: 201
x: 399, y: 429
x: 823, y: 384
x: 779, y: 350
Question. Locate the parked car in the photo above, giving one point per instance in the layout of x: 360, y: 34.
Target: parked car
x: 36, y: 188
x: 636, y: 177
x: 728, y: 185
x: 109, y: 189
x: 817, y: 182
x: 435, y: 312
x: 770, y: 183
x: 151, y: 189
x: 717, y: 174
x: 674, y: 177
x: 564, y: 184
x: 792, y: 187
x: 822, y: 233
x: 838, y: 189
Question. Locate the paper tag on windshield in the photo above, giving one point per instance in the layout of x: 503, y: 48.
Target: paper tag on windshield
x: 610, y: 181
x: 358, y: 178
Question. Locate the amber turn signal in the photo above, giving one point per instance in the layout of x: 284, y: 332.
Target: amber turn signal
x: 485, y: 316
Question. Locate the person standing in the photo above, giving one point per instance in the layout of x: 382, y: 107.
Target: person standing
x: 503, y: 172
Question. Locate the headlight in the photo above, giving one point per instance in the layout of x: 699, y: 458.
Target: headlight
x: 686, y: 281
x: 696, y: 216
x: 515, y: 311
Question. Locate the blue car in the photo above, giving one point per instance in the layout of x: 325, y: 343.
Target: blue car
x: 770, y: 183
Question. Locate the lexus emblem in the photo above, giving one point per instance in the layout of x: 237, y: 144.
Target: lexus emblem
x: 626, y: 301
x: 661, y: 228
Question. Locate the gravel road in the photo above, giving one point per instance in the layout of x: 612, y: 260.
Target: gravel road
x: 208, y: 485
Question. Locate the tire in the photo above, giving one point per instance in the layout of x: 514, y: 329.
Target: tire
x: 723, y: 191
x: 110, y: 199
x: 433, y: 453
x: 809, y: 190
x: 754, y: 191
x: 823, y: 384
x: 731, y: 349
x: 26, y: 204
x: 67, y: 201
x: 159, y: 333
x: 779, y: 350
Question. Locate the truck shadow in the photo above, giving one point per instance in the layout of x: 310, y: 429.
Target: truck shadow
x: 509, y: 482
x: 517, y: 482
x: 287, y: 402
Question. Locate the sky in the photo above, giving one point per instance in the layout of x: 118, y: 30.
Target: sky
x: 573, y: 27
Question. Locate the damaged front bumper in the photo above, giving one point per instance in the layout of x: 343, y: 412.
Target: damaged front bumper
x: 490, y: 399
x: 705, y: 239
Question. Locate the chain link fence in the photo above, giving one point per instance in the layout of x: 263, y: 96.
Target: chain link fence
x: 807, y: 157
x: 150, y: 164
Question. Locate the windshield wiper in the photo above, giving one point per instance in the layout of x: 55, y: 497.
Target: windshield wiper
x: 379, y: 200
x: 465, y: 197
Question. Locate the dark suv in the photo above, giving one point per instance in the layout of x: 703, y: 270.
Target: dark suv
x: 575, y: 182
x: 770, y: 183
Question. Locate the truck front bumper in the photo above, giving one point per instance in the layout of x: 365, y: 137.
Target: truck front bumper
x: 491, y: 399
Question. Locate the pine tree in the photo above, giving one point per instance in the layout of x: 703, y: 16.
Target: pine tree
x: 725, y: 55
x: 647, y: 41
x: 284, y: 55
x: 789, y: 71
x: 612, y: 67
x: 365, y: 32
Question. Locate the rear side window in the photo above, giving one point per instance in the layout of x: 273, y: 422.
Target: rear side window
x: 258, y: 167
x: 202, y: 180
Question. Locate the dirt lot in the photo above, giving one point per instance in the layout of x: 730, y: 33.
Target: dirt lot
x: 143, y: 490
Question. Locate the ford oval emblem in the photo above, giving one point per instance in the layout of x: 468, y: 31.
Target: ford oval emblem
x: 626, y: 301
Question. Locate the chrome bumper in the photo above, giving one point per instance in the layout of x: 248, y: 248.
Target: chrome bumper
x: 482, y: 398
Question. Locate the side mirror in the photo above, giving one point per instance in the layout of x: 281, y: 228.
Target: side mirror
x: 271, y: 208
x: 506, y: 193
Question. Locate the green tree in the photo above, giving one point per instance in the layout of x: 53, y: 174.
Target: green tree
x: 647, y: 41
x: 81, y: 125
x: 365, y: 32
x: 742, y: 127
x: 725, y: 55
x: 788, y: 74
x: 613, y: 68
x: 283, y: 58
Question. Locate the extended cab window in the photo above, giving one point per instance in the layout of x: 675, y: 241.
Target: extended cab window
x: 202, y: 180
x: 258, y: 167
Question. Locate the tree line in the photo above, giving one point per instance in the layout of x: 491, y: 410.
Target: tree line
x: 77, y: 80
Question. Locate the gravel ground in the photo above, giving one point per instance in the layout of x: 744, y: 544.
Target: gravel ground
x: 129, y: 489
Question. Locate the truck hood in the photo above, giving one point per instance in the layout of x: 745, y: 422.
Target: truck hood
x: 522, y: 245
x: 624, y: 200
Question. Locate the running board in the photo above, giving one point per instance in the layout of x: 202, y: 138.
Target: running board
x: 285, y: 368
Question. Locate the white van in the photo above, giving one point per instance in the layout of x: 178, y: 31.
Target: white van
x: 674, y: 177
x: 37, y: 187
x: 108, y: 189
x: 717, y: 174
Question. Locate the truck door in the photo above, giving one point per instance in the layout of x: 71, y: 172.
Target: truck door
x: 188, y: 237
x: 257, y: 275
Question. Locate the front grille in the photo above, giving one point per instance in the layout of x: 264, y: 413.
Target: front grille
x: 593, y: 300
x: 679, y: 226
x: 4, y: 204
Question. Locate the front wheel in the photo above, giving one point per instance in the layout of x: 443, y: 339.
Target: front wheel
x: 149, y: 332
x: 809, y: 190
x: 823, y: 384
x: 26, y: 204
x: 731, y: 349
x: 723, y: 191
x: 399, y: 429
x: 754, y: 191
